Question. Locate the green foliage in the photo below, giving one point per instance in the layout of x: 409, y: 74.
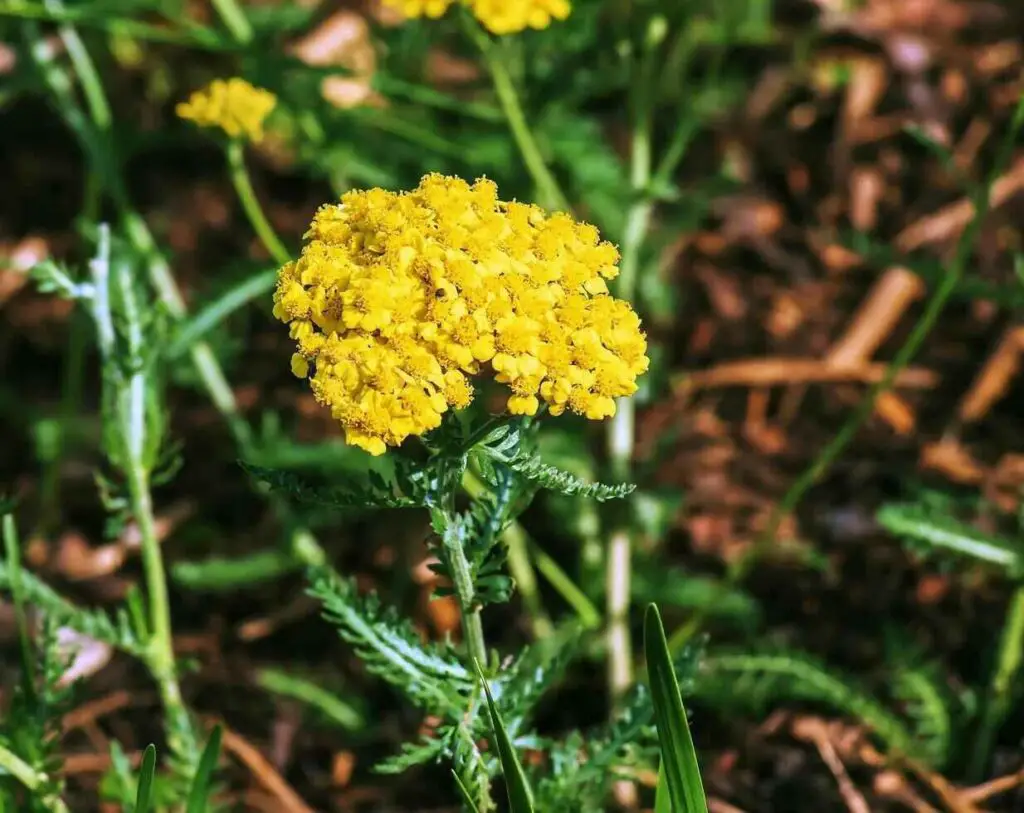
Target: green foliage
x: 678, y: 756
x: 339, y: 712
x: 510, y: 445
x: 389, y: 647
x: 31, y: 728
x: 762, y: 679
x: 144, y: 795
x: 375, y: 492
x: 202, y: 783
x: 520, y: 797
x: 119, y: 631
x: 932, y: 529
x: 929, y: 714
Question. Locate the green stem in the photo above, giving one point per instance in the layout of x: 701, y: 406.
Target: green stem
x: 32, y: 779
x: 621, y: 433
x: 12, y: 551
x: 1004, y: 678
x: 549, y: 192
x: 251, y: 205
x: 131, y: 410
x: 234, y: 20
x: 462, y: 581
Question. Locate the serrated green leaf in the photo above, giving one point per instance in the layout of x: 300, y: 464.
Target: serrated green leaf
x: 374, y: 492
x: 144, y: 796
x: 507, y: 445
x: 940, y: 531
x: 520, y: 797
x: 201, y: 788
x: 678, y: 756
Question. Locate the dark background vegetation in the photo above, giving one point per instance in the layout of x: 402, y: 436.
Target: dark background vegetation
x: 810, y: 131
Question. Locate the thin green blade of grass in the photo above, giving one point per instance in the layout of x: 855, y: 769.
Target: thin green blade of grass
x: 238, y: 296
x: 520, y: 797
x: 662, y: 795
x: 678, y: 756
x: 464, y: 793
x: 330, y: 705
x: 144, y: 795
x: 201, y: 783
x: 13, y: 556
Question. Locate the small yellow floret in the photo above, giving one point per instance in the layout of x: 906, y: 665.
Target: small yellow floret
x: 233, y: 105
x: 399, y: 300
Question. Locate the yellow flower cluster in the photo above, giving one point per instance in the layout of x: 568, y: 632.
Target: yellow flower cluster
x: 399, y: 299
x: 234, y: 105
x: 497, y: 16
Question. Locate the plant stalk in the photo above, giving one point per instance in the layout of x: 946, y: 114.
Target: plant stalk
x: 1004, y: 678
x: 462, y: 581
x: 621, y: 433
x: 234, y: 20
x: 250, y: 203
x: 549, y: 192
x: 28, y: 776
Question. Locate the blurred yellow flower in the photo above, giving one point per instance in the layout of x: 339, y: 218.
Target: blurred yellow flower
x: 513, y: 16
x: 233, y: 105
x: 399, y: 299
x: 497, y: 16
x: 421, y: 8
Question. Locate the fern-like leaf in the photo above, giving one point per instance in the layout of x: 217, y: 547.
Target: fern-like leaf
x: 411, y: 754
x: 508, y: 445
x: 374, y: 492
x: 928, y: 709
x: 429, y: 675
x: 934, y: 530
x: 760, y: 679
x: 119, y: 631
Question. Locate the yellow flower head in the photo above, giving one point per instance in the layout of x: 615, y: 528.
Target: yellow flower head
x: 400, y: 299
x: 497, y: 16
x: 234, y: 105
x: 512, y: 16
x: 421, y: 8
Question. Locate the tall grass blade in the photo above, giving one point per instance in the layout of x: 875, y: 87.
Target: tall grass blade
x: 13, y: 556
x: 146, y: 773
x: 662, y: 795
x: 520, y: 798
x: 200, y: 791
x: 467, y: 799
x: 678, y: 757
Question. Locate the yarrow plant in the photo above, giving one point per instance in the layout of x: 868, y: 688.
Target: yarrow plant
x: 497, y: 16
x: 400, y: 301
x: 233, y: 105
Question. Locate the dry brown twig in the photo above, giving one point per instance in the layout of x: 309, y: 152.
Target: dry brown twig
x: 770, y: 372
x: 264, y: 772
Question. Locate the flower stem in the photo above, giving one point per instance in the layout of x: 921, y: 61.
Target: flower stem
x: 1008, y: 666
x: 130, y: 404
x: 549, y: 193
x: 622, y: 429
x: 458, y: 565
x: 32, y: 779
x: 235, y: 20
x: 250, y: 203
